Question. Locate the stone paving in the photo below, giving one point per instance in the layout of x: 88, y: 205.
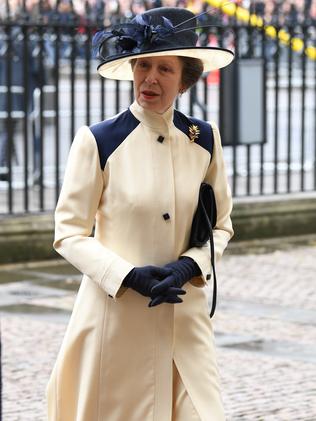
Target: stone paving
x: 264, y: 327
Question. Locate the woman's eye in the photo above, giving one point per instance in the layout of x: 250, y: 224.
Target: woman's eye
x: 143, y: 64
x: 165, y: 69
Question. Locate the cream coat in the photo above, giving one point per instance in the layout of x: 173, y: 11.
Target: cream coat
x: 116, y: 360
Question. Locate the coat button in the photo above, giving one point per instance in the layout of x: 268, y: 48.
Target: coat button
x: 208, y: 276
x: 160, y: 139
x: 166, y: 216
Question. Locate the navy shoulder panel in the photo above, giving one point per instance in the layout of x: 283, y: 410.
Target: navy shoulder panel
x: 109, y: 134
x: 205, y: 138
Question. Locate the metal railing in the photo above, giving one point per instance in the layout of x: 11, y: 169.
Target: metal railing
x: 49, y: 88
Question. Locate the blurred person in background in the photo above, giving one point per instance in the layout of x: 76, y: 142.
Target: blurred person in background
x: 168, y: 3
x: 288, y: 14
x: 312, y: 13
x: 93, y: 10
x: 12, y: 52
x: 195, y: 6
x: 138, y: 7
x: 257, y: 7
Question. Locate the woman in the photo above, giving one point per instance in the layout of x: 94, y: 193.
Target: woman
x: 134, y: 349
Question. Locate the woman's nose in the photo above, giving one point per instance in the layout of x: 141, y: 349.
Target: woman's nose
x: 151, y: 77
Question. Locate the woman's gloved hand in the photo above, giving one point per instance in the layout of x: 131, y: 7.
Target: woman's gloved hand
x: 182, y: 271
x: 143, y: 279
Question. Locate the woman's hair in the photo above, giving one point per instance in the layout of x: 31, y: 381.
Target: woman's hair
x: 133, y: 62
x: 192, y: 69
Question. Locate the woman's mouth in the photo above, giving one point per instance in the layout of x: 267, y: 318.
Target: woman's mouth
x: 149, y: 94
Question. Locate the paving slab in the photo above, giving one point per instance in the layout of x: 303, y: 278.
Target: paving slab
x: 264, y: 329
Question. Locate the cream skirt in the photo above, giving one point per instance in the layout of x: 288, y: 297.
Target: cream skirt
x: 183, y: 409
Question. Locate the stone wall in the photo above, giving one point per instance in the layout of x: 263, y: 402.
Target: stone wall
x: 30, y: 237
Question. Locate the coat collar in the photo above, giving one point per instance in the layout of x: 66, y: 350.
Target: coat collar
x: 152, y: 119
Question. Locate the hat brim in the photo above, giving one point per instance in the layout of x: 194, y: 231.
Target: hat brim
x: 213, y: 58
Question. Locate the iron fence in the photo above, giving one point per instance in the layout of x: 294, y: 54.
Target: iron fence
x: 49, y: 88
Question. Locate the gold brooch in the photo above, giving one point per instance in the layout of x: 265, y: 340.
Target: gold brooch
x: 194, y: 132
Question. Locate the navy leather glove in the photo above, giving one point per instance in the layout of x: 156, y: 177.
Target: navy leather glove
x: 143, y: 279
x: 182, y: 271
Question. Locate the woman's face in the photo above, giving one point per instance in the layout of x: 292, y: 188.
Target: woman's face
x: 157, y: 82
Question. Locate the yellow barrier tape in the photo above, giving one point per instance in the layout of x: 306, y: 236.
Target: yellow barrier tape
x: 311, y: 52
x: 271, y: 31
x: 231, y: 9
x: 284, y: 37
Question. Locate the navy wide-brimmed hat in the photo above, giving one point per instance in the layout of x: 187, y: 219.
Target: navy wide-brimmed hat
x: 164, y: 31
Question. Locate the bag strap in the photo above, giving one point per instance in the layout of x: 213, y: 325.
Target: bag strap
x: 214, y: 299
x: 212, y: 252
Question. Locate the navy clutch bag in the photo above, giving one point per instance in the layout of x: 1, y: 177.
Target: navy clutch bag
x: 204, y: 221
